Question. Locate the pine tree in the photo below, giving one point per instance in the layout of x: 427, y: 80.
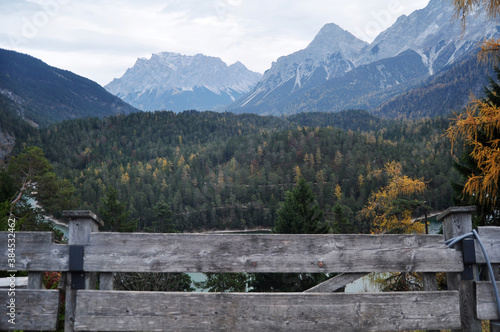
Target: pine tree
x: 30, y: 190
x: 115, y: 213
x: 298, y: 214
x: 164, y: 219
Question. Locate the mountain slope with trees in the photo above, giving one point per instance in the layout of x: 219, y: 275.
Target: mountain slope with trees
x: 440, y: 94
x: 226, y: 171
x: 45, y: 94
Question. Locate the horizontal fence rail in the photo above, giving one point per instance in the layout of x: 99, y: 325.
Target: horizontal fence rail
x: 160, y: 311
x: 490, y: 236
x: 32, y: 309
x: 145, y: 252
x: 486, y: 304
x: 316, y: 309
x: 121, y: 252
x: 35, y: 251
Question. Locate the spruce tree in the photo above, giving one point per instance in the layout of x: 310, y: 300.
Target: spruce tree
x: 298, y: 214
x: 115, y: 213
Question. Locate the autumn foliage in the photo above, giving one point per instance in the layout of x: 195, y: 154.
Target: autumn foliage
x: 391, y: 207
x: 479, y: 127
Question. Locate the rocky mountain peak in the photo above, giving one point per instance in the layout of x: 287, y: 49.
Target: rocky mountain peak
x: 167, y: 74
x: 338, y: 71
x: 332, y: 39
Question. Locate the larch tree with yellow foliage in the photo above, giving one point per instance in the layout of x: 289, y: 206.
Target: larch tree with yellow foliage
x: 390, y: 208
x: 479, y: 126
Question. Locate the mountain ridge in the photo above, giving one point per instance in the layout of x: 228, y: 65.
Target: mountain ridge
x: 431, y: 32
x: 321, y: 59
x: 44, y: 94
x: 177, y: 82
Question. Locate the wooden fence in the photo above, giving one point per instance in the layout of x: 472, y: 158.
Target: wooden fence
x: 318, y: 309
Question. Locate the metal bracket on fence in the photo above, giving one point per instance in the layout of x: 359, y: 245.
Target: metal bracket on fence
x: 76, y: 267
x: 469, y: 255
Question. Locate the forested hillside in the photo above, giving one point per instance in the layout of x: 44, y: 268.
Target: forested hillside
x: 46, y: 94
x: 220, y: 170
x: 12, y: 127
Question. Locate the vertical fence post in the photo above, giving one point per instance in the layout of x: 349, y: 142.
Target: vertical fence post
x: 106, y: 280
x: 81, y: 224
x: 458, y: 221
x: 35, y: 280
x: 430, y: 285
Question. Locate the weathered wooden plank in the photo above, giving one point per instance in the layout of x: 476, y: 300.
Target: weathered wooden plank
x: 34, y: 251
x: 157, y: 311
x: 83, y: 215
x: 35, y: 280
x: 490, y: 236
x: 114, y: 252
x: 106, y: 281
x: 486, y: 305
x: 34, y: 310
x: 430, y: 282
x: 430, y: 285
x: 337, y: 282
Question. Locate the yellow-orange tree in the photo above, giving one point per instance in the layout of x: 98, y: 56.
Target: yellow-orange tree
x: 389, y: 210
x: 391, y: 207
x: 479, y: 126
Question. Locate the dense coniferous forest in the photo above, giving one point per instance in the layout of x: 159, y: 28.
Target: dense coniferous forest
x: 227, y: 171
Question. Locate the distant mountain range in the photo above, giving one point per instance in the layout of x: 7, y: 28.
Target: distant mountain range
x: 172, y: 81
x: 338, y: 71
x: 423, y: 65
x: 42, y: 94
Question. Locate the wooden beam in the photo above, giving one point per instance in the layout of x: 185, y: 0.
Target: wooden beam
x: 121, y: 252
x: 34, y: 310
x: 106, y: 281
x: 158, y: 311
x: 83, y: 214
x: 35, y: 280
x: 81, y: 225
x: 35, y: 251
x: 337, y: 282
x: 490, y: 237
x: 486, y: 305
x: 430, y: 285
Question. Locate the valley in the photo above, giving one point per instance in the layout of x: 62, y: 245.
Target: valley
x: 221, y: 145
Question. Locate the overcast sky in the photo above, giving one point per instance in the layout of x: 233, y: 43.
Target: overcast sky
x: 100, y: 39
